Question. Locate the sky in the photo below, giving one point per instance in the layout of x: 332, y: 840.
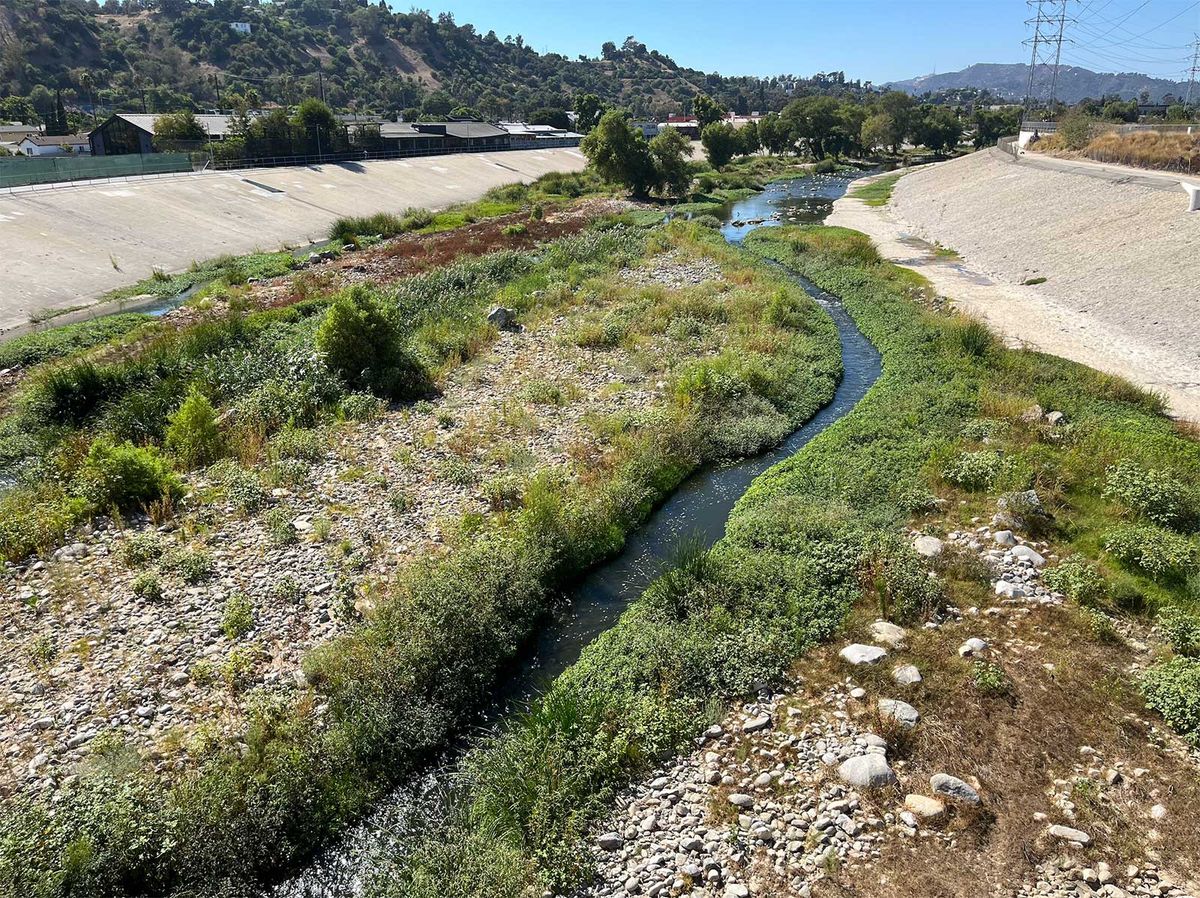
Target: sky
x: 876, y: 40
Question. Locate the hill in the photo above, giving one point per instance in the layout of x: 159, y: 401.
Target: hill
x: 173, y: 53
x: 1074, y: 83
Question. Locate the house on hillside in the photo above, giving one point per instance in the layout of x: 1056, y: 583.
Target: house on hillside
x: 240, y: 27
x: 685, y: 124
x: 125, y: 133
x: 54, y: 145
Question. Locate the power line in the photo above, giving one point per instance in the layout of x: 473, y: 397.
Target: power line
x: 1194, y: 72
x: 1049, y: 22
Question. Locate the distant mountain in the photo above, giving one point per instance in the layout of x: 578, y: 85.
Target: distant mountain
x: 1074, y: 83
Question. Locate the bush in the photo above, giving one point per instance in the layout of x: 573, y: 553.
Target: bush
x: 69, y: 393
x: 141, y: 549
x: 974, y: 470
x: 1159, y: 553
x: 124, y: 476
x: 192, y: 434
x: 825, y: 167
x: 970, y: 337
x: 299, y: 443
x: 1182, y: 630
x: 1155, y: 495
x: 278, y: 522
x: 1172, y: 688
x: 361, y: 341
x: 990, y: 679
x: 192, y: 566
x: 1078, y: 579
x: 906, y: 590
x: 146, y: 586
x: 360, y: 407
x: 238, y: 617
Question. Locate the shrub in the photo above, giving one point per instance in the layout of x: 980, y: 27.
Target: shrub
x: 278, y: 522
x: 146, y: 586
x: 124, y: 476
x: 141, y: 549
x: 1078, y: 579
x: 825, y: 166
x: 242, y: 488
x: 1182, y: 630
x: 362, y: 342
x: 1100, y: 625
x: 973, y: 470
x: 360, y: 407
x: 1075, y: 131
x: 238, y: 617
x: 192, y: 434
x: 69, y: 393
x: 906, y: 590
x: 1172, y: 688
x: 504, y: 493
x: 1155, y: 495
x: 970, y: 337
x: 990, y: 679
x: 192, y: 566
x: 298, y: 443
x: 1161, y: 554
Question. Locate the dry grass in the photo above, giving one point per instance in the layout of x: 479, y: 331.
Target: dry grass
x: 1016, y: 745
x: 1166, y: 150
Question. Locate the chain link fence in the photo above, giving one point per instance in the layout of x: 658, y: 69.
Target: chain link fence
x: 47, y: 171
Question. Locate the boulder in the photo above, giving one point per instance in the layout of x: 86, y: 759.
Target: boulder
x: 611, y: 841
x: 947, y: 786
x: 754, y: 724
x: 924, y: 807
x: 1054, y: 419
x: 973, y: 646
x: 928, y: 546
x: 1004, y: 538
x: 888, y: 633
x: 906, y: 675
x: 901, y: 712
x: 1008, y: 589
x: 1067, y: 834
x: 862, y: 654
x: 1029, y: 555
x: 502, y: 318
x: 741, y: 800
x: 867, y: 772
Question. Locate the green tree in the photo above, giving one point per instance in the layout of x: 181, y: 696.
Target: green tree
x: 669, y: 152
x: 901, y: 108
x: 619, y: 153
x: 813, y: 120
x: 721, y: 143
x: 192, y: 434
x: 178, y: 127
x: 938, y: 128
x: 588, y: 110
x: 362, y: 341
x: 775, y: 134
x: 549, y: 115
x: 876, y: 131
x: 314, y: 118
x: 748, y: 141
x: 706, y: 111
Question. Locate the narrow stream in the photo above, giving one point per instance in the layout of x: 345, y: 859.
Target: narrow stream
x: 696, y: 511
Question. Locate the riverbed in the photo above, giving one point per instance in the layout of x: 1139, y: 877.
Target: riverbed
x: 696, y: 512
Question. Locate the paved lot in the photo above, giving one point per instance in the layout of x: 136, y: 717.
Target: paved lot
x: 65, y: 247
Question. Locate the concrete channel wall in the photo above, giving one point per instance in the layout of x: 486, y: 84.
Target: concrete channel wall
x: 65, y: 248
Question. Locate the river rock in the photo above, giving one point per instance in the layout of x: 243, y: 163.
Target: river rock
x: 973, y: 646
x: 901, y: 712
x: 1004, y: 538
x: 611, y: 841
x: 1029, y: 555
x: 906, y: 675
x: 948, y: 786
x: 754, y: 724
x: 741, y: 800
x: 924, y: 807
x: 862, y: 654
x: 1008, y: 589
x: 888, y: 633
x: 502, y: 318
x: 867, y: 771
x: 1067, y: 834
x: 928, y: 546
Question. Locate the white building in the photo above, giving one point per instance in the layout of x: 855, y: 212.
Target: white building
x: 47, y: 145
x: 240, y: 27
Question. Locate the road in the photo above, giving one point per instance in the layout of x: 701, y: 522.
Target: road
x: 66, y: 247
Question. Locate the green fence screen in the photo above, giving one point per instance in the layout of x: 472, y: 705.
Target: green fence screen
x: 23, y: 170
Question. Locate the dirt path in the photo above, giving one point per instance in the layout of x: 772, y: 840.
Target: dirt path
x: 1119, y: 261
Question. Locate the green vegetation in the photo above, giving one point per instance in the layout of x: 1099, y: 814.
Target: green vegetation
x: 228, y: 270
x: 399, y: 685
x: 60, y: 342
x: 878, y: 192
x: 810, y: 537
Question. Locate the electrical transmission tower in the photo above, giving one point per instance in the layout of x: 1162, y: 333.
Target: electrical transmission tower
x: 1194, y: 71
x: 1049, y: 22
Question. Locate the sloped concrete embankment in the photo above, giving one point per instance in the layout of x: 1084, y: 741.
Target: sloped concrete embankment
x: 67, y: 246
x: 1119, y: 261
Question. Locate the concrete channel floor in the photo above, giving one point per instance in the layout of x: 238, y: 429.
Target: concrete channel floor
x: 65, y: 247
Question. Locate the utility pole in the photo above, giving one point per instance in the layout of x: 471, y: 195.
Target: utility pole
x: 1194, y: 71
x: 1049, y: 22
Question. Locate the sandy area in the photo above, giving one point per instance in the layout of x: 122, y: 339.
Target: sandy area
x: 1122, y: 289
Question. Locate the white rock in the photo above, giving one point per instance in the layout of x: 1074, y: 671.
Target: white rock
x: 972, y: 646
x: 867, y: 771
x: 925, y: 807
x: 1029, y: 555
x: 906, y: 675
x: 948, y: 786
x: 1008, y: 589
x: 1004, y: 538
x: 741, y: 800
x: 928, y: 546
x: 611, y: 841
x: 1067, y: 834
x: 901, y: 712
x: 862, y: 654
x: 888, y: 633
x: 754, y: 724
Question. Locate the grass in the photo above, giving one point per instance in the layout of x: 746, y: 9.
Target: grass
x: 792, y: 564
x: 60, y: 342
x: 1162, y: 150
x: 878, y: 192
x: 399, y: 686
x: 230, y: 270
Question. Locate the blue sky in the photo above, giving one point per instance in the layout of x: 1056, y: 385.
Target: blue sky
x: 878, y: 40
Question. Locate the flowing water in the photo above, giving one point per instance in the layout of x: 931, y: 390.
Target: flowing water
x: 696, y: 511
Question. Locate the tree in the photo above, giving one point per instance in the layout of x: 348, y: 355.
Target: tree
x: 812, y: 120
x: 720, y: 143
x: 775, y: 135
x: 901, y: 108
x: 706, y: 111
x: 176, y: 127
x: 316, y: 119
x: 555, y: 118
x: 619, y: 153
x: 588, y: 110
x: 748, y: 142
x: 991, y: 125
x: 669, y: 152
x: 876, y: 131
x: 938, y: 128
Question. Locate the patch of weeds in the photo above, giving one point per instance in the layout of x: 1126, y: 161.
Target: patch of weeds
x: 192, y: 566
x: 1158, y: 552
x: 504, y: 493
x: 1100, y: 625
x: 142, y: 549
x: 321, y: 529
x: 238, y: 617
x: 1078, y: 579
x: 399, y: 500
x: 278, y: 523
x: 543, y: 392
x: 238, y: 669
x: 361, y: 407
x: 146, y: 586
x: 455, y: 470
x: 287, y: 590
x: 1181, y: 630
x: 990, y: 679
x: 43, y: 650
